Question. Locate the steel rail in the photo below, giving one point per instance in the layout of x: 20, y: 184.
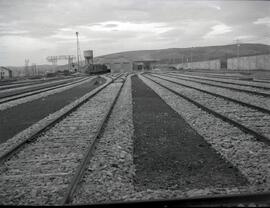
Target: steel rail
x: 257, y: 135
x: 264, y: 110
x: 89, y: 153
x: 35, y: 82
x: 234, y: 78
x: 31, y: 88
x: 7, y: 83
x: 218, y: 200
x: 52, y: 123
x: 221, y: 81
x: 231, y: 88
x: 261, y: 81
x: 38, y: 91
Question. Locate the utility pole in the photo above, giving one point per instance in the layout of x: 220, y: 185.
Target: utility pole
x: 78, y: 49
x: 238, y: 50
x: 191, y: 58
x: 34, y: 69
x: 191, y: 55
x: 26, y: 70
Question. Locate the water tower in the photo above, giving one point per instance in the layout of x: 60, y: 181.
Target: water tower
x: 88, y: 55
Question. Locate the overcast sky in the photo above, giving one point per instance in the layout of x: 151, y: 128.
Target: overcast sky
x: 36, y: 29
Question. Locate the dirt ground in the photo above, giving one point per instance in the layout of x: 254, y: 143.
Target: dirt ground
x: 168, y: 153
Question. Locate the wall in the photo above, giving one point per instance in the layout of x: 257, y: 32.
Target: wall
x: 250, y: 62
x: 121, y: 67
x: 212, y: 64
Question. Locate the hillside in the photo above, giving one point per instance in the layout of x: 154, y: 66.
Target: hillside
x: 198, y: 53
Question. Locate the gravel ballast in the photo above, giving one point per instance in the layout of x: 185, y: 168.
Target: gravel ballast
x: 109, y: 176
x: 39, y: 173
x: 23, y: 89
x: 18, y: 118
x: 31, y: 130
x: 252, y: 158
x: 168, y: 153
x: 30, y: 98
x: 111, y: 172
x: 233, y: 82
x: 104, y: 169
x: 249, y: 117
x: 256, y: 100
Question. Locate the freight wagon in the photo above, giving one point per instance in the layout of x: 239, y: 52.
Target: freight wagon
x: 97, y: 69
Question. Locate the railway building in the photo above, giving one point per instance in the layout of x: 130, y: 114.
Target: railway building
x: 120, y: 65
x: 125, y: 65
x: 249, y: 62
x: 5, y: 73
x: 211, y: 64
x: 258, y: 62
x: 144, y: 65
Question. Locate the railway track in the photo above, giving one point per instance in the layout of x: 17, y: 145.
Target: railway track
x: 219, y: 80
x: 259, y: 101
x: 14, y: 82
x: 29, y: 92
x: 34, y: 82
x: 252, y: 91
x: 230, y: 77
x: 250, y: 105
x: 248, y: 118
x: 46, y: 167
x: 89, y: 153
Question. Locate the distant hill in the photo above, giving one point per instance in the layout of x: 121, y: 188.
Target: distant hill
x: 198, y: 53
x: 172, y: 55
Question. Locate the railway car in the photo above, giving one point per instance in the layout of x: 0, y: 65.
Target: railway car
x: 97, y: 69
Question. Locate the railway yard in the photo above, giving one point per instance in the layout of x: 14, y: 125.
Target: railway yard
x: 136, y: 137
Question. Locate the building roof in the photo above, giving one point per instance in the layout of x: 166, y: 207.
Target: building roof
x: 5, y: 68
x: 146, y: 61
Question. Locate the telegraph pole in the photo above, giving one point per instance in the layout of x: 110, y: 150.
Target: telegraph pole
x: 191, y: 55
x: 238, y: 49
x: 78, y: 48
x: 26, y: 70
x: 191, y: 58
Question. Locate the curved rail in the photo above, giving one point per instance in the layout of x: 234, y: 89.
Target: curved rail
x: 225, y: 87
x: 80, y: 171
x: 35, y: 135
x: 257, y: 135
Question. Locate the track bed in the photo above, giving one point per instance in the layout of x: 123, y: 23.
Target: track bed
x: 168, y: 153
x: 24, y: 115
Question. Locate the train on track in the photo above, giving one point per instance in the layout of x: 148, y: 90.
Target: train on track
x: 96, y: 69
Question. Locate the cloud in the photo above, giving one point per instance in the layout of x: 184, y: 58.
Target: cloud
x: 21, y: 43
x: 218, y: 30
x: 215, y: 7
x: 263, y: 21
x: 130, y: 26
x: 47, y: 27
